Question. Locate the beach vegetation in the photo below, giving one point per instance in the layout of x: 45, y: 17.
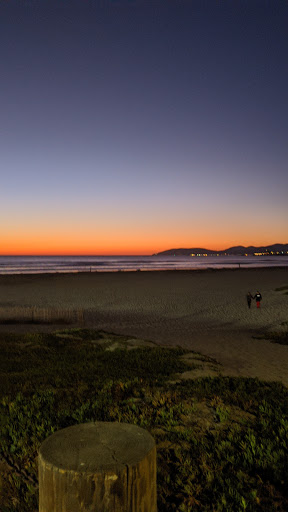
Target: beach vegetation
x: 222, y: 442
x: 282, y: 288
x: 280, y: 337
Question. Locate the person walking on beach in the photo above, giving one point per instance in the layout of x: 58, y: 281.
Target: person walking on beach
x: 249, y: 298
x: 258, y: 298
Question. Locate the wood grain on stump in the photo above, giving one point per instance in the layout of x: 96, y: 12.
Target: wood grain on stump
x: 98, y: 467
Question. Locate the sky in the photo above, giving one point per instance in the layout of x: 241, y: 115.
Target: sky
x: 132, y: 127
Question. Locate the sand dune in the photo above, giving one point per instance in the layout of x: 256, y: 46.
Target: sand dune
x: 204, y: 311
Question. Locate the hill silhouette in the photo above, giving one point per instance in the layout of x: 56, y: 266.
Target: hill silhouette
x: 238, y: 250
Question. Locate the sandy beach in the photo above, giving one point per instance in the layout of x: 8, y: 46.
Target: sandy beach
x: 205, y: 311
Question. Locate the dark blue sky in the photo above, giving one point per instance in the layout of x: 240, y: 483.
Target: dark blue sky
x: 140, y: 124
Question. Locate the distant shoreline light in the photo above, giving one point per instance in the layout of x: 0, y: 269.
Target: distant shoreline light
x: 272, y: 253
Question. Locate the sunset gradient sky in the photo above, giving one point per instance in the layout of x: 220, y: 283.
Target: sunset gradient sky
x: 131, y: 127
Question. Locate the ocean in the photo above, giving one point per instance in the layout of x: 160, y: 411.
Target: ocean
x: 66, y: 264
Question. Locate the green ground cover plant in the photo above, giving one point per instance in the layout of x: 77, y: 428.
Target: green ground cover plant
x: 222, y: 443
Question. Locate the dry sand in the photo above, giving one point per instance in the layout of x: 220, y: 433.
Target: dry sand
x: 205, y: 311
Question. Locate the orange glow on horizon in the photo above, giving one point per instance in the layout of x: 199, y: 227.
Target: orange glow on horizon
x: 44, y: 246
x: 62, y: 235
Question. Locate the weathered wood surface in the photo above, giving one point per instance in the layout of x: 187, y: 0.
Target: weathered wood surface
x: 16, y: 315
x: 98, y: 467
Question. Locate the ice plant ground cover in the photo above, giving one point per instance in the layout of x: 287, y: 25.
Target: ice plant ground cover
x: 222, y: 443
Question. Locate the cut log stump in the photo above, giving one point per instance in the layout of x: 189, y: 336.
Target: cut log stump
x: 98, y: 467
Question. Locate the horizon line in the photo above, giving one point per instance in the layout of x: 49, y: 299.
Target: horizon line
x: 131, y: 254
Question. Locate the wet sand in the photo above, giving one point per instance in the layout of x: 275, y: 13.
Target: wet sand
x: 205, y: 311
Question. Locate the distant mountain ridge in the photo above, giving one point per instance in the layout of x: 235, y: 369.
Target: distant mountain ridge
x: 239, y: 250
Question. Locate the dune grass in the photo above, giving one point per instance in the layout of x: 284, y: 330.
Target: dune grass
x: 282, y: 289
x: 221, y: 442
x: 280, y: 337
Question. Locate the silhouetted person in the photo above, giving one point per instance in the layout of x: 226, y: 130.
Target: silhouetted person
x: 249, y: 298
x: 258, y: 298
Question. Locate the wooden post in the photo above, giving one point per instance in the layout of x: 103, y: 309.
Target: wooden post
x: 98, y: 467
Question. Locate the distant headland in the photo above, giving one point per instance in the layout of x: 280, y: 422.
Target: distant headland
x: 239, y: 250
